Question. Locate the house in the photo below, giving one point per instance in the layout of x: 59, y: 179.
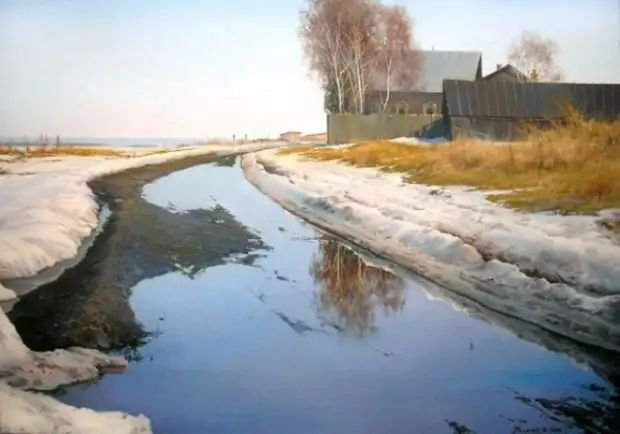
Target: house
x: 425, y: 96
x: 291, y: 136
x: 495, y: 108
x: 506, y: 72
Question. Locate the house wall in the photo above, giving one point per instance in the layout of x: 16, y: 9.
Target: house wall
x: 347, y: 128
x: 413, y: 101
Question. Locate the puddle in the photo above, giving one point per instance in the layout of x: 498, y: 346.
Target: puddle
x: 311, y: 336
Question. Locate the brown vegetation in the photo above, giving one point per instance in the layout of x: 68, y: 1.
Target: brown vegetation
x: 349, y: 44
x: 573, y: 166
x: 536, y: 57
x: 76, y: 151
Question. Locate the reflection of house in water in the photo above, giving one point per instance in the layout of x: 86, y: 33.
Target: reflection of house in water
x: 351, y: 290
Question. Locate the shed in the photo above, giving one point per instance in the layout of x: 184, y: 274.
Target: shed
x: 493, y: 109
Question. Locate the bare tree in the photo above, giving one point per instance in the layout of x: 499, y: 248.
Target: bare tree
x: 363, y: 49
x: 536, y: 56
x: 349, y: 43
x: 399, y: 61
x: 321, y: 29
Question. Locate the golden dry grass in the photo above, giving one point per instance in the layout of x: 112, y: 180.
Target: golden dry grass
x: 572, y: 167
x: 75, y: 151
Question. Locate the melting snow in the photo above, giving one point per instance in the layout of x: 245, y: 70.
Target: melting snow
x: 47, y: 211
x: 560, y: 272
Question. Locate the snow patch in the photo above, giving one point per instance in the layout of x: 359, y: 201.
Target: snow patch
x: 48, y: 209
x: 35, y: 413
x: 28, y: 412
x: 6, y: 294
x: 560, y: 272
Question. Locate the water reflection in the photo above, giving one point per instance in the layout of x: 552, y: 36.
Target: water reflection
x: 350, y: 289
x: 598, y: 413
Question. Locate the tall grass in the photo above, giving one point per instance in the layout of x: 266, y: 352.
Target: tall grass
x: 572, y: 166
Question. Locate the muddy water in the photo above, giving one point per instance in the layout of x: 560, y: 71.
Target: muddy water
x: 306, y: 336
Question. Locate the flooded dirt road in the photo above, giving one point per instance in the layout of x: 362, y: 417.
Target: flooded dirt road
x: 239, y: 318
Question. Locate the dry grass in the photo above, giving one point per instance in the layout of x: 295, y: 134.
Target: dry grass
x: 573, y: 167
x: 295, y: 150
x: 37, y: 152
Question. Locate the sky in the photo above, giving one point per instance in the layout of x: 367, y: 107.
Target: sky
x: 206, y: 68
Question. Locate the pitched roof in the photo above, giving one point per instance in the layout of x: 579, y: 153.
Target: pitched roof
x: 510, y: 70
x: 437, y: 66
x: 511, y: 99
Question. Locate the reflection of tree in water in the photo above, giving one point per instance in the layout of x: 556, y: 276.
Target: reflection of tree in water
x: 352, y: 289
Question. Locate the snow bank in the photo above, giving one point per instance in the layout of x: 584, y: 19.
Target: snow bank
x: 6, y: 294
x: 48, y: 209
x: 29, y: 412
x: 560, y: 272
x: 419, y: 141
x: 582, y: 357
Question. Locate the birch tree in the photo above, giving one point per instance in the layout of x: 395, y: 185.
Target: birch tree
x: 322, y: 26
x: 536, y: 57
x: 361, y: 41
x: 350, y: 43
x: 398, y: 58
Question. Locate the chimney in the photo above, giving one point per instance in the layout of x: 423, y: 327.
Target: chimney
x: 498, y: 66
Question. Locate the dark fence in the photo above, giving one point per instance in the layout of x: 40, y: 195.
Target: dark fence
x: 511, y: 99
x: 346, y: 128
x: 490, y: 128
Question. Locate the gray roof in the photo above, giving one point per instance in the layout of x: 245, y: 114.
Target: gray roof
x: 437, y: 66
x: 510, y: 70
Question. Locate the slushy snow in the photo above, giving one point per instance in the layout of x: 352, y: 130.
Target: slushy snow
x: 559, y: 272
x: 47, y: 211
x: 30, y: 412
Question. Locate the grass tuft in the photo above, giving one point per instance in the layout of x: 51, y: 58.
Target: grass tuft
x: 573, y: 166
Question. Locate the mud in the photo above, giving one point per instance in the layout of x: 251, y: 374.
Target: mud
x: 88, y: 305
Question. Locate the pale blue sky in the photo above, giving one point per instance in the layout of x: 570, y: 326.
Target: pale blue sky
x: 182, y: 68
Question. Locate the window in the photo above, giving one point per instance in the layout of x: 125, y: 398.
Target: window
x: 402, y: 108
x: 429, y: 108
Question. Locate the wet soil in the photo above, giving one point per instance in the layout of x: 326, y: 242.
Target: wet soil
x: 88, y: 305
